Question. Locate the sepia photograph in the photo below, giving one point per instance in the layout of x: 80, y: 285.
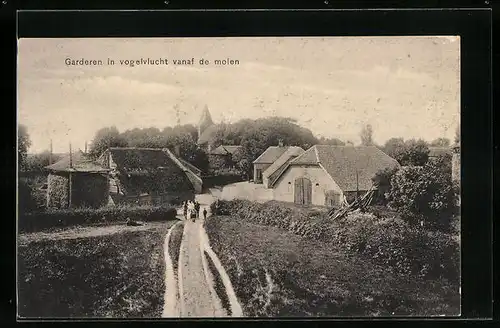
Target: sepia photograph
x: 266, y: 177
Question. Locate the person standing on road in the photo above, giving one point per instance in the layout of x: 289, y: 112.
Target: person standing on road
x: 185, y: 209
x: 205, y: 213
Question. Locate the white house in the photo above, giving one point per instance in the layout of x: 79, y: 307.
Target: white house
x: 326, y: 175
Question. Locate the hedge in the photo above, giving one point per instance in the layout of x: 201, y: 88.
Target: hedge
x: 386, y: 239
x: 52, y: 218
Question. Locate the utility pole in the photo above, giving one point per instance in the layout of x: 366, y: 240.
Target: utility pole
x: 70, y: 182
x: 357, y: 185
x: 50, y: 153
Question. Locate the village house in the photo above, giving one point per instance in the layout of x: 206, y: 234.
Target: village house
x: 222, y: 158
x: 329, y: 175
x: 266, y: 159
x: 77, y: 181
x: 149, y: 175
x: 274, y: 170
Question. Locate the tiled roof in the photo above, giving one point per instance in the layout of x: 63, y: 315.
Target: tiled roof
x: 344, y: 163
x: 80, y: 163
x: 225, y: 150
x: 289, y: 154
x: 270, y: 155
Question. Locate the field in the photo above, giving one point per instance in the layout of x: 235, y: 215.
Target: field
x: 278, y: 273
x: 112, y: 271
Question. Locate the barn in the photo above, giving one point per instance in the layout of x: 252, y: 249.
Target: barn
x: 266, y: 159
x: 328, y: 175
x: 221, y: 158
x: 276, y: 168
x: 76, y: 181
x: 149, y: 176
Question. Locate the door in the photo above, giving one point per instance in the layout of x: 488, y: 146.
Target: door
x: 303, y: 191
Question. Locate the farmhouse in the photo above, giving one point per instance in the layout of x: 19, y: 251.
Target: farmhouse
x: 276, y: 169
x: 149, y: 175
x: 266, y: 159
x: 221, y: 158
x: 329, y: 175
x: 76, y: 181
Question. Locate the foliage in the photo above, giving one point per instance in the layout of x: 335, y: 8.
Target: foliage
x: 424, y: 194
x: 276, y: 273
x: 440, y: 142
x: 26, y: 201
x: 382, y: 180
x: 386, y: 239
x: 367, y: 135
x: 331, y: 141
x: 105, y: 138
x: 37, y: 162
x: 51, y: 218
x: 409, y: 152
x: 23, y: 144
x: 114, y: 274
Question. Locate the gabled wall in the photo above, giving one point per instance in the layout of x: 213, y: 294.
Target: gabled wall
x: 321, y: 182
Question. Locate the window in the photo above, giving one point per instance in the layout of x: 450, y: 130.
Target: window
x: 259, y: 174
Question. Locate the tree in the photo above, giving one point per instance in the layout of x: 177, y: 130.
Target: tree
x: 331, y: 141
x: 36, y: 162
x: 424, y: 194
x: 394, y: 147
x: 416, y: 152
x: 440, y: 142
x: 104, y: 138
x: 23, y: 144
x: 367, y: 135
x: 410, y: 152
x: 382, y: 180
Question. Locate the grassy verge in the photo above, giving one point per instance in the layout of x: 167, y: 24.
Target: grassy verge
x: 278, y: 273
x: 219, y: 287
x: 115, y: 275
x: 174, y: 246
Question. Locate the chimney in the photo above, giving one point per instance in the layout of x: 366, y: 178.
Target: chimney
x: 280, y: 142
x: 177, y: 150
x: 85, y: 147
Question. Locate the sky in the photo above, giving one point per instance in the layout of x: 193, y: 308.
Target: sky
x: 405, y: 87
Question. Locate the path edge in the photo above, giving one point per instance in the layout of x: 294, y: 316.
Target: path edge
x: 169, y: 310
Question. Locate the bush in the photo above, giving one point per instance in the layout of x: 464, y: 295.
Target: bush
x: 424, y: 194
x: 26, y: 201
x: 384, y: 236
x: 35, y: 221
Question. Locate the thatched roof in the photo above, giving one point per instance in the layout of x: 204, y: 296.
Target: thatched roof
x: 350, y: 167
x: 79, y: 163
x: 150, y: 170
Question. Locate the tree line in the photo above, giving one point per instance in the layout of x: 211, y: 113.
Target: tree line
x: 255, y: 136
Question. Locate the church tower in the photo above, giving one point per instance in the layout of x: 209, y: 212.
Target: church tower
x: 205, y: 121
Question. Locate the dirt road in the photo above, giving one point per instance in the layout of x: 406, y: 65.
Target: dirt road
x: 196, y: 298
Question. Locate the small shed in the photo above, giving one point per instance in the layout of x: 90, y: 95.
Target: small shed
x: 76, y: 181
